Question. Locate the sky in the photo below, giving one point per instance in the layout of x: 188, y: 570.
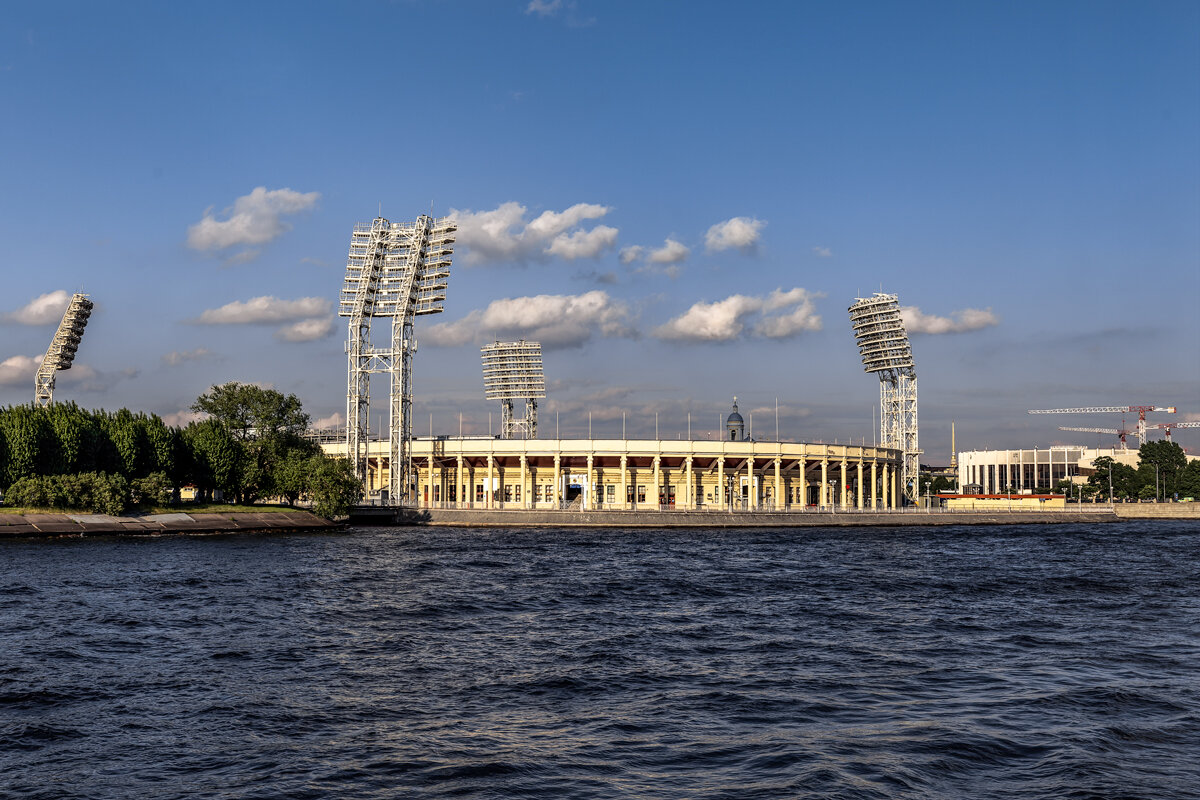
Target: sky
x: 679, y: 200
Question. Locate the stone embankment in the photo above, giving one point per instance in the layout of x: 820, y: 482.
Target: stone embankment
x: 161, y: 524
x: 714, y: 519
x: 1158, y: 510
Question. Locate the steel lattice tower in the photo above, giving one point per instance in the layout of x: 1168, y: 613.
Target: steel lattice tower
x: 396, y: 271
x: 61, y: 352
x: 883, y: 345
x: 513, y: 371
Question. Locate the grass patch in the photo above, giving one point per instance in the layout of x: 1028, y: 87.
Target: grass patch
x: 184, y: 508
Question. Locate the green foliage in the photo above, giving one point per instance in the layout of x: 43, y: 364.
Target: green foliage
x: 98, y: 492
x: 1126, y: 482
x: 216, y: 458
x: 30, y: 441
x: 153, y: 490
x: 268, y: 425
x: 1160, y: 465
x: 1189, y: 480
x: 332, y: 485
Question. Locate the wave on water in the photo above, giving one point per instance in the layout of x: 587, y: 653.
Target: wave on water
x: 1000, y: 662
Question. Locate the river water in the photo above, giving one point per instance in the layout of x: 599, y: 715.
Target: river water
x: 1003, y: 662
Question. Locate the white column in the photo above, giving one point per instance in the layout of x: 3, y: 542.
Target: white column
x: 823, y: 494
x: 488, y: 501
x: 590, y: 489
x: 557, y: 481
x: 459, y: 488
x: 524, y: 487
x: 858, y: 487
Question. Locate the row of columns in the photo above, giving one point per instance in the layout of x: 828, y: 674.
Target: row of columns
x: 887, y: 498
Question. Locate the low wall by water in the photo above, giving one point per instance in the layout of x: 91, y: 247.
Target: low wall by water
x: 13, y: 525
x: 712, y: 519
x: 1158, y: 510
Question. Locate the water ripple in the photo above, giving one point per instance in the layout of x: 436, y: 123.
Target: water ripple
x: 1021, y: 662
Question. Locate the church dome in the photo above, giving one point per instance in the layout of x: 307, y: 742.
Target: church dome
x: 735, y: 426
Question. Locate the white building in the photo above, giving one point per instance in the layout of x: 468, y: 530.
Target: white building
x: 996, y: 471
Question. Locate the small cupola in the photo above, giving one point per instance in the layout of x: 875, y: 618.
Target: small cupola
x: 735, y: 427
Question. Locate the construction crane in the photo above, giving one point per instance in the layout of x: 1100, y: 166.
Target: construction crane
x: 1141, y: 411
x: 1121, y: 432
x: 1166, y: 427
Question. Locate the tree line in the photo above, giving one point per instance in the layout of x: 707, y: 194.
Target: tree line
x: 1163, y: 471
x: 249, y: 446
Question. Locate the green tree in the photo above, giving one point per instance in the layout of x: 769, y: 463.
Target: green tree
x: 1189, y: 480
x: 31, y: 443
x: 216, y: 457
x: 333, y: 485
x: 267, y: 423
x: 1159, y: 466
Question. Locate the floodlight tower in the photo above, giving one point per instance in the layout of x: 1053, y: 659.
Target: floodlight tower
x: 61, y: 352
x: 396, y: 271
x: 513, y: 371
x: 883, y: 344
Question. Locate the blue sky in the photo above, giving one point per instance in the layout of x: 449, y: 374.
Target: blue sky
x: 679, y: 199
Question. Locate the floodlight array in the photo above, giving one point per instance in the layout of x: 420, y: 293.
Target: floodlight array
x: 397, y: 271
x: 513, y: 371
x: 880, y: 334
x: 885, y: 350
x: 60, y: 354
x: 410, y: 278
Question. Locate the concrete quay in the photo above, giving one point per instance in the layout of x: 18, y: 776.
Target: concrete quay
x: 43, y: 525
x: 491, y: 518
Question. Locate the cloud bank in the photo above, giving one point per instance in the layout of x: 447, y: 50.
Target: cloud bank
x: 255, y: 218
x: 503, y: 234
x: 45, y: 309
x: 779, y: 315
x: 557, y: 321
x: 308, y: 318
x: 968, y: 319
x: 16, y: 370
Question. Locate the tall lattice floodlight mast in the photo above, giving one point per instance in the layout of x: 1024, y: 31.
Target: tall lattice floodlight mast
x: 396, y: 271
x: 883, y: 344
x: 61, y: 353
x: 513, y: 371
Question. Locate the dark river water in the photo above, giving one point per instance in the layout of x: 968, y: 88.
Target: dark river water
x: 967, y: 662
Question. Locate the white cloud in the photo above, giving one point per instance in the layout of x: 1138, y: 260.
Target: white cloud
x: 556, y: 321
x: 44, y: 309
x: 544, y: 8
x: 822, y: 252
x: 502, y: 234
x: 583, y: 244
x: 799, y: 314
x: 255, y: 218
x: 266, y: 309
x: 177, y: 357
x: 181, y: 419
x: 16, y: 370
x: 308, y: 318
x: 630, y: 254
x: 968, y: 319
x: 306, y: 330
x: 741, y: 233
x: 727, y: 319
x: 334, y: 420
x: 672, y: 252
x: 711, y: 322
